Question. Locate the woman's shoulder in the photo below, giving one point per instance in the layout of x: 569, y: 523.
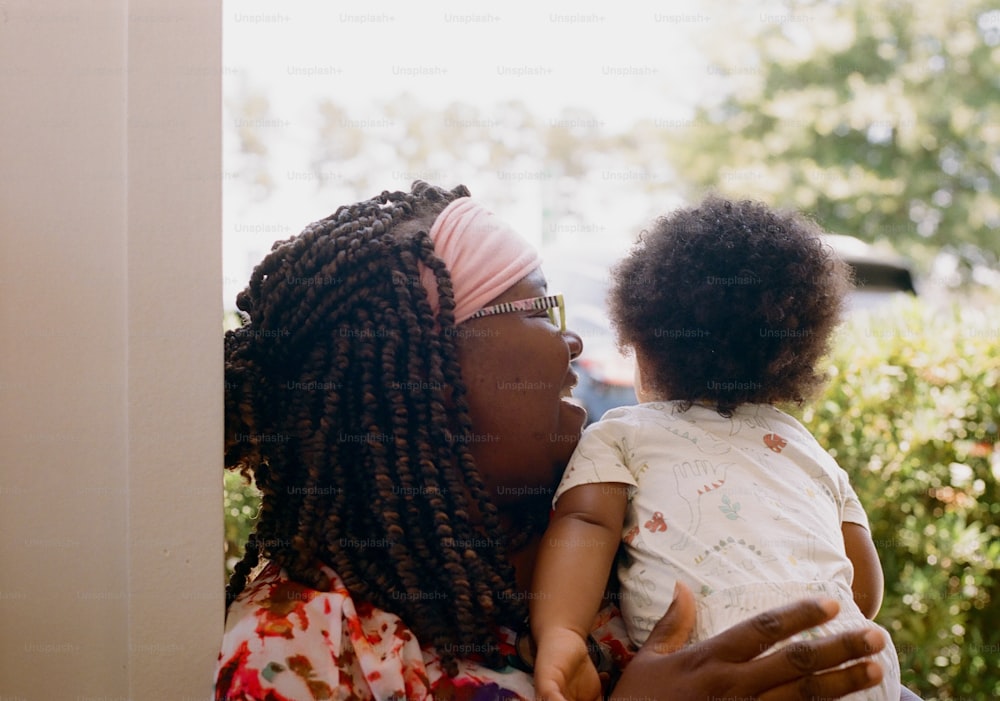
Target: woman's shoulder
x: 286, y: 640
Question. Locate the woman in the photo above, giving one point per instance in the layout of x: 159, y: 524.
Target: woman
x: 400, y: 392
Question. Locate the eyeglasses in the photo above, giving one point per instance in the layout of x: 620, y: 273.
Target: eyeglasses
x: 550, y: 304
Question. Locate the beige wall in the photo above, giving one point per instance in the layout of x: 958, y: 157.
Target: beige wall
x: 110, y: 349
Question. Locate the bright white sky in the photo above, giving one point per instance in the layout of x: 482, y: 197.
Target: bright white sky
x: 620, y: 61
x: 375, y: 45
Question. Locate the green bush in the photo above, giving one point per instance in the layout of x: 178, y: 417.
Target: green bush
x: 241, y: 504
x: 911, y: 413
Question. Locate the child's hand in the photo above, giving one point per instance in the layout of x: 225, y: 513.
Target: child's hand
x: 563, y: 670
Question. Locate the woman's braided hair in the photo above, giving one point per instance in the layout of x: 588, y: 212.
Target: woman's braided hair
x: 344, y: 400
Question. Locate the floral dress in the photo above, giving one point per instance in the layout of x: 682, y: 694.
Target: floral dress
x: 287, y: 642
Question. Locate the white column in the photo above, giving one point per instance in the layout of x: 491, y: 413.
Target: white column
x: 110, y: 349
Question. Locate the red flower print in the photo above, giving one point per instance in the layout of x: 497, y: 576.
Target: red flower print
x: 286, y: 599
x: 303, y: 668
x: 775, y: 442
x: 656, y: 523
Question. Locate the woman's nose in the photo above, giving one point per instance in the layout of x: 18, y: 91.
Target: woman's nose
x: 575, y: 344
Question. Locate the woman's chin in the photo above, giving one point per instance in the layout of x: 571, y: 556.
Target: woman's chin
x: 575, y: 407
x: 572, y: 419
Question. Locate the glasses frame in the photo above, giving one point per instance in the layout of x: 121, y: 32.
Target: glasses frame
x: 549, y: 303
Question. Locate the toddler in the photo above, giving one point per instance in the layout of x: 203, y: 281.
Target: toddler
x: 727, y: 308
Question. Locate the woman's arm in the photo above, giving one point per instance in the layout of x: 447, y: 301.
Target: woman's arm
x: 574, y: 559
x: 868, y: 585
x: 727, y: 665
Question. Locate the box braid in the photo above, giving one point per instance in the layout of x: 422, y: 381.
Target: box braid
x: 345, y: 401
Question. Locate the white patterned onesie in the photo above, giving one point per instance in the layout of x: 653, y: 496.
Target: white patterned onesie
x: 747, y: 511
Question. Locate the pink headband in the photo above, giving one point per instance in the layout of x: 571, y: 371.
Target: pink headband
x: 484, y: 255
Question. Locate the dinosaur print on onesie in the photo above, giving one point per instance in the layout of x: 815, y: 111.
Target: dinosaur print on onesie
x: 694, y: 481
x: 742, y: 508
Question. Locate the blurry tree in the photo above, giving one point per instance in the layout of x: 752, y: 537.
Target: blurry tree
x: 570, y: 166
x: 249, y: 112
x: 399, y: 140
x: 611, y: 181
x: 879, y: 116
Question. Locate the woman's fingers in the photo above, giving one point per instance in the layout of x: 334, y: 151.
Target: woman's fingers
x: 796, y: 671
x: 822, y: 653
x: 756, y: 635
x: 730, y: 663
x: 673, y: 630
x: 829, y: 685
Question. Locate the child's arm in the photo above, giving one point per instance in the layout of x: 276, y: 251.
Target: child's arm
x: 571, y: 572
x: 868, y: 584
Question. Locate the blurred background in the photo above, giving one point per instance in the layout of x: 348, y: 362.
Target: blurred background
x: 880, y: 118
x: 580, y: 123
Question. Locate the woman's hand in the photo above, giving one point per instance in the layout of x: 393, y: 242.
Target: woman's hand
x: 725, y: 665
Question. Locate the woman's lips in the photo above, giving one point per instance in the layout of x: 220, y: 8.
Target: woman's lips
x: 568, y: 387
x: 566, y: 396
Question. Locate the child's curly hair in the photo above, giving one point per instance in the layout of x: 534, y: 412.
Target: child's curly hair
x: 730, y: 303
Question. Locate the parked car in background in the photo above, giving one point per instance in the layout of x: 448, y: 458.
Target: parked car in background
x: 878, y: 276
x: 580, y: 272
